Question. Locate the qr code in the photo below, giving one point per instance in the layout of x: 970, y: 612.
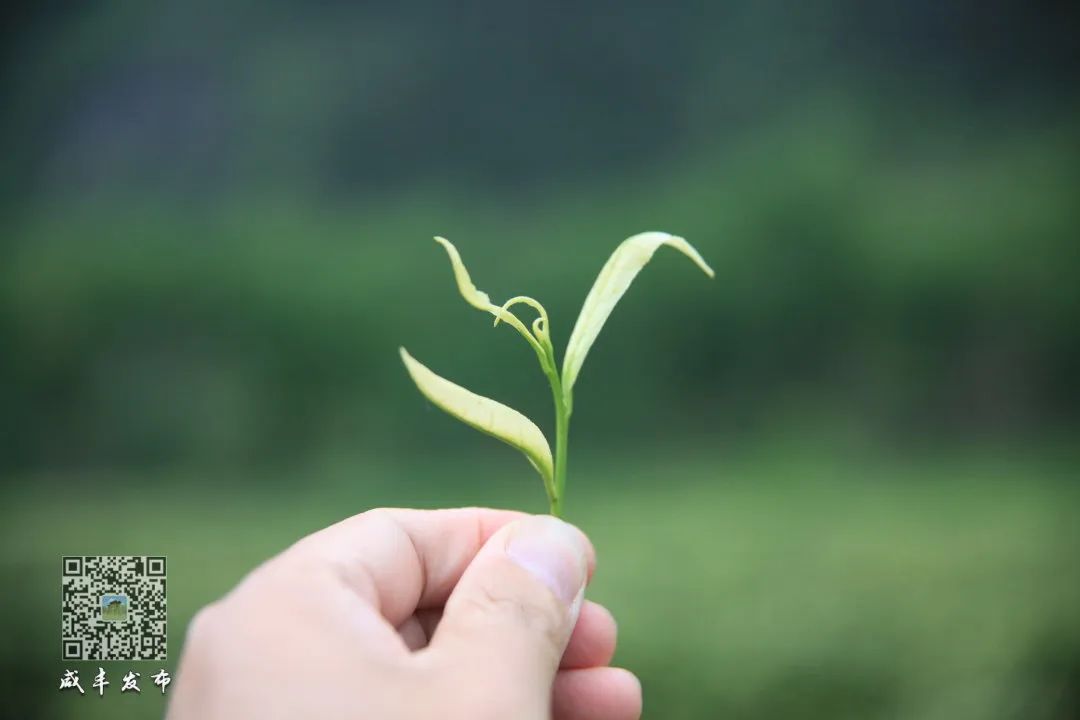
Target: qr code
x: 113, y: 607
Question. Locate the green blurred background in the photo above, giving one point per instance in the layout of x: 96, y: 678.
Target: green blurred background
x: 839, y: 481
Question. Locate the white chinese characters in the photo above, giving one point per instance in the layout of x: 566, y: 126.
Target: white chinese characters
x: 162, y: 679
x: 70, y: 681
x: 131, y: 682
x: 100, y: 682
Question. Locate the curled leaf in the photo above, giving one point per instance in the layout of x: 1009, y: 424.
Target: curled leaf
x: 480, y: 299
x: 534, y: 304
x: 614, y: 278
x: 539, y: 325
x: 486, y: 415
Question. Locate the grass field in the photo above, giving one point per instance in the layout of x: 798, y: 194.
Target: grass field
x: 753, y: 588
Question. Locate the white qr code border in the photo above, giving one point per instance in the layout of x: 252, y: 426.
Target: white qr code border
x: 86, y: 634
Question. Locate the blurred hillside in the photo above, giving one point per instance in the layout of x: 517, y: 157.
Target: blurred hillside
x: 219, y: 220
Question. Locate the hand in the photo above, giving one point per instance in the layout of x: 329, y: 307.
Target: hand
x: 412, y: 614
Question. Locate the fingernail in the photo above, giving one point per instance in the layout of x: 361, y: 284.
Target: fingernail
x: 553, y: 552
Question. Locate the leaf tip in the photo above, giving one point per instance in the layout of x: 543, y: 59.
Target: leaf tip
x: 409, y: 360
x: 687, y: 249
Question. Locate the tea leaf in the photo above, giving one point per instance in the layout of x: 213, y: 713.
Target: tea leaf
x: 477, y: 298
x: 484, y: 414
x: 480, y: 299
x: 614, y: 278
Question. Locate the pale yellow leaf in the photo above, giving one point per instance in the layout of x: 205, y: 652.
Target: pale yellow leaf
x: 480, y: 299
x: 476, y: 298
x: 614, y: 278
x: 484, y: 414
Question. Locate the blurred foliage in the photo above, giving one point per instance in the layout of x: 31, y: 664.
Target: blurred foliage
x: 220, y: 212
x: 907, y: 294
x: 862, y: 503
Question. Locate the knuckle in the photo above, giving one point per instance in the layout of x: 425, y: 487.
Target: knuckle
x: 202, y: 644
x: 200, y: 630
x: 379, y: 517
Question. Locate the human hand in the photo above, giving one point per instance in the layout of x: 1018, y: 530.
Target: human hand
x: 412, y: 614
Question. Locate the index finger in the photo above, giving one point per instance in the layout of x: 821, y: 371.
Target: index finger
x: 400, y: 560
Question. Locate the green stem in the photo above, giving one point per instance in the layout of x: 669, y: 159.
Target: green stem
x: 557, y: 490
x: 562, y: 432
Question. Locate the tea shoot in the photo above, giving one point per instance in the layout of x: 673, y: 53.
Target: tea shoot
x: 509, y: 425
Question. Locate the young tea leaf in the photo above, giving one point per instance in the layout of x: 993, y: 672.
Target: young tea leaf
x: 477, y: 298
x: 614, y: 278
x: 481, y: 301
x: 486, y: 415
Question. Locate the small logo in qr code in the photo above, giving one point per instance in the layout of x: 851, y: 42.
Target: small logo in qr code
x: 113, y: 607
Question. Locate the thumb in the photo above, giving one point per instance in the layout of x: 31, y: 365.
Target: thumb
x: 511, y: 615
